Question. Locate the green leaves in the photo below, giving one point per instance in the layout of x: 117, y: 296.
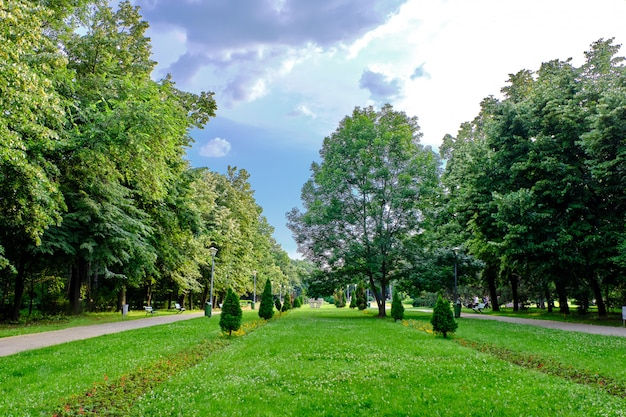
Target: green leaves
x: 367, y: 196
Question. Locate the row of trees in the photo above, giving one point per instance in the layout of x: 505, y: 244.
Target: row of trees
x: 96, y: 196
x: 535, y: 183
x: 529, y: 202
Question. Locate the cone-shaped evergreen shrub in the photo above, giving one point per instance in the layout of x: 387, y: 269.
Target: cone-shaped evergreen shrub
x: 443, y: 318
x: 266, y: 309
x: 397, y: 309
x: 277, y: 304
x: 340, y: 298
x: 353, y: 301
x: 361, y: 296
x: 230, y: 318
x: 286, y: 303
x: 297, y: 302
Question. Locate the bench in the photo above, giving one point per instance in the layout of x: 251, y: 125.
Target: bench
x: 149, y: 310
x: 479, y: 308
x: 315, y: 303
x: 179, y: 308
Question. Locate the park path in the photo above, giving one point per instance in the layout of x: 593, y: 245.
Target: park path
x: 16, y: 344
x: 560, y: 325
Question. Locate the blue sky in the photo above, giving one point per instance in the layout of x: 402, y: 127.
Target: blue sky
x: 285, y: 72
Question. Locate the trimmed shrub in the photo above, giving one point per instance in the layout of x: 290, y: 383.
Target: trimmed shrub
x: 361, y: 296
x: 397, y: 309
x: 443, y: 318
x: 266, y: 309
x: 230, y: 318
x: 353, y: 301
x: 277, y: 304
x: 297, y: 302
x: 286, y: 303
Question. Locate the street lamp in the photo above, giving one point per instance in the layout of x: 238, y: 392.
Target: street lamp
x: 457, y: 307
x: 213, y: 252
x: 254, y: 293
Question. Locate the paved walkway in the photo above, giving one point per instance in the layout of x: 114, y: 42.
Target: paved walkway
x: 561, y: 325
x: 15, y: 344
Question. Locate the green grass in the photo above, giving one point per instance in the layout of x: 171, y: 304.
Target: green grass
x: 330, y: 362
x: 340, y: 362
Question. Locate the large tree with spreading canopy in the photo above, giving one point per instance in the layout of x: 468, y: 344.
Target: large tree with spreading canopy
x: 365, y: 202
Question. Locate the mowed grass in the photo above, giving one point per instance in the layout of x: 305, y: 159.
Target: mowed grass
x: 329, y: 362
x: 342, y: 362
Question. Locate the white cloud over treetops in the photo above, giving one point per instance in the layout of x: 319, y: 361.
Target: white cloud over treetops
x: 215, y: 148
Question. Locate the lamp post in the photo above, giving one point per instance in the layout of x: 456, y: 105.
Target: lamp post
x: 254, y: 292
x: 457, y: 304
x: 213, y: 252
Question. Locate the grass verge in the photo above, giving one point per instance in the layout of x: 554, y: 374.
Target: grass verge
x: 340, y: 362
x: 326, y: 362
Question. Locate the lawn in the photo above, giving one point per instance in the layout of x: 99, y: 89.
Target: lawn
x: 326, y: 362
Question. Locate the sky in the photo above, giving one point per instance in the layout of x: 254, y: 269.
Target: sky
x: 286, y: 72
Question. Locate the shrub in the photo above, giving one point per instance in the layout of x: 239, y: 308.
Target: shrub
x: 286, y: 303
x: 443, y: 319
x: 230, y: 318
x: 353, y: 301
x: 297, y: 302
x: 266, y: 309
x: 340, y: 298
x: 397, y: 309
x: 277, y: 304
x: 361, y: 296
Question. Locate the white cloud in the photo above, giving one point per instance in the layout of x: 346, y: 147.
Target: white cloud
x: 215, y: 148
x: 303, y: 110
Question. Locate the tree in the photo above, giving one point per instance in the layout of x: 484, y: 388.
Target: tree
x: 443, y: 318
x: 266, y: 309
x: 230, y: 317
x: 397, y: 309
x: 31, y: 133
x: 365, y: 202
x: 361, y: 296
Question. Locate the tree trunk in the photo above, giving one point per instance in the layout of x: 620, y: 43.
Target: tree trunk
x: 491, y: 276
x: 562, y: 293
x: 597, y: 293
x: 513, y: 280
x: 121, y: 298
x: 19, y: 290
x: 79, y: 270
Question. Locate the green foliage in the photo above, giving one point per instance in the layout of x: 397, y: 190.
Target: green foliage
x: 286, y: 303
x: 365, y: 202
x: 230, y: 317
x: 534, y: 178
x: 298, y: 301
x: 266, y: 309
x: 397, y: 309
x: 340, y: 298
x: 278, y: 304
x: 443, y: 318
x: 353, y: 303
x: 361, y: 296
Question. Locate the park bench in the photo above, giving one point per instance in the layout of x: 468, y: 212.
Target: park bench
x: 149, y: 310
x: 479, y: 308
x: 315, y: 303
x: 179, y: 308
